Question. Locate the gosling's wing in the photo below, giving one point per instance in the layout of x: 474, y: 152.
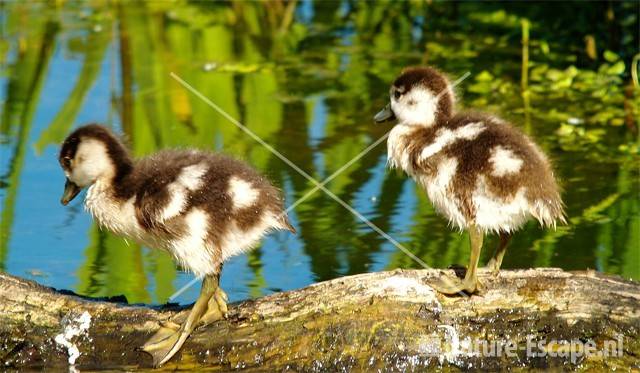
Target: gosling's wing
x: 168, y: 187
x: 153, y: 203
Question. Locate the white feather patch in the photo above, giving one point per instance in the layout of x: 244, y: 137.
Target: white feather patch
x: 469, y: 131
x: 542, y: 213
x: 496, y: 214
x: 504, y: 161
x: 189, y: 179
x: 192, y: 251
x: 90, y: 163
x: 416, y: 107
x: 447, y: 137
x: 443, y: 138
x: 440, y: 194
x: 176, y: 203
x: 191, y: 176
x: 118, y: 217
x: 397, y: 154
x: 241, y: 192
x: 237, y: 241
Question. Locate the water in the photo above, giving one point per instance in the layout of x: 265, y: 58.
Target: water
x: 309, y: 88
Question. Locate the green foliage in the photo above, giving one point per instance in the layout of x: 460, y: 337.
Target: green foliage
x: 273, y: 70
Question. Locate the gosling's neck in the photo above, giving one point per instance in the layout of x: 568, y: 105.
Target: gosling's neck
x: 115, y: 182
x: 404, y: 139
x: 122, y: 162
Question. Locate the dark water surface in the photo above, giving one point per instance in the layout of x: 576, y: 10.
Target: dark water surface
x: 308, y: 81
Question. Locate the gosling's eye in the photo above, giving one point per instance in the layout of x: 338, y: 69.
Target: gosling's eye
x: 66, y: 161
x: 397, y: 94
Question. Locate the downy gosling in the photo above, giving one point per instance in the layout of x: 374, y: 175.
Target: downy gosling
x: 201, y: 207
x: 482, y: 174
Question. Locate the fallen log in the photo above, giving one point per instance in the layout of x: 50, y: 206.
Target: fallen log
x: 387, y: 320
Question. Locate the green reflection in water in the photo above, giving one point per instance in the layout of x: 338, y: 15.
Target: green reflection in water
x: 275, y: 66
x: 23, y: 91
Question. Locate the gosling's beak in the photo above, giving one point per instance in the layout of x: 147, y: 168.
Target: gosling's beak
x: 71, y: 190
x: 384, y: 114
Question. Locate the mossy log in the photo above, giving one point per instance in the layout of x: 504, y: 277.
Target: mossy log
x: 387, y: 320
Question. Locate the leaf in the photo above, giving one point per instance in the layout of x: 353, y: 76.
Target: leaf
x: 565, y: 130
x: 616, y: 69
x: 484, y: 76
x: 617, y: 122
x: 554, y: 74
x: 537, y: 72
x: 571, y: 71
x: 609, y: 56
x: 544, y: 47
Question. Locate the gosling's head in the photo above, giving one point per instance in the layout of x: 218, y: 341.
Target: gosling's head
x: 419, y: 96
x: 89, y: 154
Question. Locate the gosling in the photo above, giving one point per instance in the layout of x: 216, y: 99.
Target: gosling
x: 201, y: 207
x: 479, y: 172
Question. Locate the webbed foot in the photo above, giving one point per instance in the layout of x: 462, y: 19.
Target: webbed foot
x: 453, y: 285
x: 170, y: 338
x: 496, y: 260
x: 216, y: 308
x: 161, y: 343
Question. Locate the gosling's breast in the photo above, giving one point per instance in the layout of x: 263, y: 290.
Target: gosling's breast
x: 399, y: 149
x: 118, y: 216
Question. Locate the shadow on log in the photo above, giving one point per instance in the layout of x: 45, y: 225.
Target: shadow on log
x: 387, y: 320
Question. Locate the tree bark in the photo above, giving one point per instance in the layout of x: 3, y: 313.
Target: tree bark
x: 386, y: 320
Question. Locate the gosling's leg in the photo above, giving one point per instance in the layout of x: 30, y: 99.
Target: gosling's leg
x: 448, y: 285
x: 496, y: 261
x: 167, y: 342
x: 216, y: 309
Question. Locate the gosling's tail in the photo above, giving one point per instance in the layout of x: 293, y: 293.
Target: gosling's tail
x: 286, y: 224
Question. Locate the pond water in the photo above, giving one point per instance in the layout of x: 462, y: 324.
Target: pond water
x: 308, y: 80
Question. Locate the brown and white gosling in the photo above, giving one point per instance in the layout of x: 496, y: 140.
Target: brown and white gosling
x: 201, y: 207
x: 482, y: 174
